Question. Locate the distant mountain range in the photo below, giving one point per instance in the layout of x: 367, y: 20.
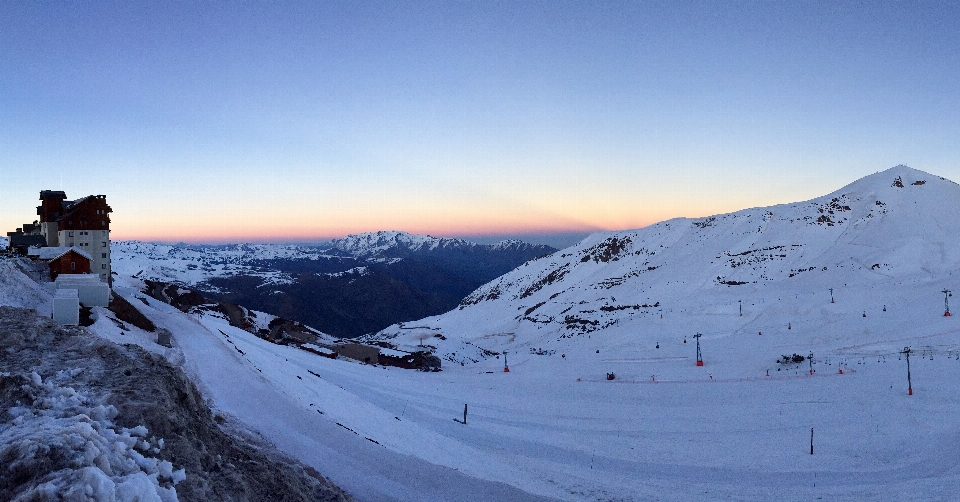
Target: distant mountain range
x: 352, y: 286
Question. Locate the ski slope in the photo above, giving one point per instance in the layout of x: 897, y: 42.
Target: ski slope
x: 255, y: 384
x: 555, y: 428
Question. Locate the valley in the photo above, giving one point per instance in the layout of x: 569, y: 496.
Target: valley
x: 350, y: 287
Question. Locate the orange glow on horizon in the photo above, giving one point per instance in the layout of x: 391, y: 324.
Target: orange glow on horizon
x: 232, y: 235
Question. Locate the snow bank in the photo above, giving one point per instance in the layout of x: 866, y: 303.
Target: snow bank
x: 62, y: 444
x: 18, y: 290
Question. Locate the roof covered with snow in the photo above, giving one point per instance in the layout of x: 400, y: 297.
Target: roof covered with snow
x: 52, y: 253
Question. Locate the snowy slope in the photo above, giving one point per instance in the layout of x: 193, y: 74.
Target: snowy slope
x: 281, y: 392
x: 737, y: 428
x: 17, y: 289
x: 869, y: 236
x: 664, y: 428
x: 191, y: 265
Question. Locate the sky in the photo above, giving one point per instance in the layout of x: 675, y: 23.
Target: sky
x: 300, y: 121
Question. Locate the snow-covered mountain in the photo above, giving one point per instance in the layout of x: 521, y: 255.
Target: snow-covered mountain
x: 352, y: 286
x: 395, y: 244
x: 896, y: 228
x: 604, y: 399
x: 373, y: 244
x: 196, y: 264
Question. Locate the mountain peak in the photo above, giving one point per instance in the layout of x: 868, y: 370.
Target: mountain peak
x: 894, y: 226
x: 377, y: 243
x: 900, y: 176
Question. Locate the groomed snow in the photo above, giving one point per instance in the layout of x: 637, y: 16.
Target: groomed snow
x: 554, y: 427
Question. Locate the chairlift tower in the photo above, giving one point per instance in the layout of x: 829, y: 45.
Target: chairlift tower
x: 506, y: 369
x: 699, y: 357
x: 946, y: 302
x: 831, y: 295
x: 741, y: 307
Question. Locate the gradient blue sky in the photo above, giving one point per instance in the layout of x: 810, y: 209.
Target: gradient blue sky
x: 257, y: 121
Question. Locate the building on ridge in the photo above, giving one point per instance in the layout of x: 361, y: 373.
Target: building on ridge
x: 26, y: 237
x: 83, y: 224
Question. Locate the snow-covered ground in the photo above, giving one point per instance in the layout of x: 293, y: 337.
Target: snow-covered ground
x: 192, y: 265
x: 663, y: 429
x: 554, y: 427
x: 248, y: 377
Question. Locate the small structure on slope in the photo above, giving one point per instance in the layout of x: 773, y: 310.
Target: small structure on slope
x: 363, y: 353
x: 66, y: 307
x: 91, y: 291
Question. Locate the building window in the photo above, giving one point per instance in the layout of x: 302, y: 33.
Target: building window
x: 103, y: 255
x: 104, y: 245
x: 103, y: 266
x: 73, y: 265
x: 69, y: 234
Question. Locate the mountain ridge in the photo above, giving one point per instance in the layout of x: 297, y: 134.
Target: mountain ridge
x: 350, y: 287
x: 889, y: 226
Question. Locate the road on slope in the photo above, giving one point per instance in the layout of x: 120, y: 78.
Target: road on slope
x: 366, y: 470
